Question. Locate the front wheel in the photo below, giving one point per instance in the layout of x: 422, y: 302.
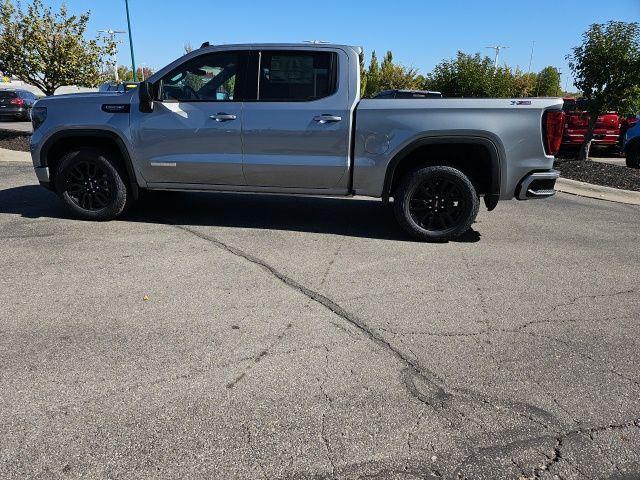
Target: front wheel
x: 436, y: 203
x: 91, y: 184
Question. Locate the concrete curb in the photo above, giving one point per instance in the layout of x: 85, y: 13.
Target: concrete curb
x: 590, y: 190
x: 14, y: 156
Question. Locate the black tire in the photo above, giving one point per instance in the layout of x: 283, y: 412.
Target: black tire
x: 92, y: 185
x: 421, y: 211
x: 632, y: 155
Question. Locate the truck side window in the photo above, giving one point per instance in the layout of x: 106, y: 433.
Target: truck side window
x: 297, y: 76
x: 208, y: 78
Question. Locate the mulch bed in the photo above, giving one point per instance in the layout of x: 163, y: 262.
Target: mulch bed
x: 615, y: 176
x: 14, y: 140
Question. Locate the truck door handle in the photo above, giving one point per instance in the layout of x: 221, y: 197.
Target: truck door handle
x: 222, y: 117
x: 327, y: 118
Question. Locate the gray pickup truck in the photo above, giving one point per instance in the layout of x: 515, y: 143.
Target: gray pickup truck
x: 288, y: 118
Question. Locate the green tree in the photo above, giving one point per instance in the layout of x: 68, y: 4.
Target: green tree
x: 464, y: 76
x: 394, y: 76
x: 49, y: 49
x: 125, y: 74
x: 373, y: 76
x: 363, y: 73
x: 606, y: 68
x: 475, y: 76
x: 548, y: 83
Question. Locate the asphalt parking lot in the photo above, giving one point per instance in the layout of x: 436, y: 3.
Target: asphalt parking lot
x: 237, y: 336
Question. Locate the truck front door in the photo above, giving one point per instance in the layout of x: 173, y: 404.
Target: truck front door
x: 193, y: 134
x: 296, y: 133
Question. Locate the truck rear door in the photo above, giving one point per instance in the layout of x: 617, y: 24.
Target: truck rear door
x: 296, y: 130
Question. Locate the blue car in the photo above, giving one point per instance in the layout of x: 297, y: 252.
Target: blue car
x: 632, y: 146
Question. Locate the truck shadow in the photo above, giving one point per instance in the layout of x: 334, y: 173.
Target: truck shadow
x: 355, y: 217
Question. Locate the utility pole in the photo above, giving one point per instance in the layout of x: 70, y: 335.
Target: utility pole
x: 133, y: 60
x: 112, y: 35
x: 497, y: 49
x: 533, y: 45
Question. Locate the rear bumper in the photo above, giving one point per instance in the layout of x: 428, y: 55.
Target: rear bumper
x: 14, y: 111
x: 537, y: 185
x: 577, y: 139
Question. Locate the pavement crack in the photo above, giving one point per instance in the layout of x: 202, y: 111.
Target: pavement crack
x: 438, y: 395
x: 592, y: 359
x: 336, y: 253
x: 258, y: 357
x: 323, y: 418
x: 591, y: 297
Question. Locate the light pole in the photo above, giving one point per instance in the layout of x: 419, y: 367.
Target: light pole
x: 497, y: 48
x: 559, y: 82
x: 112, y: 36
x: 133, y: 60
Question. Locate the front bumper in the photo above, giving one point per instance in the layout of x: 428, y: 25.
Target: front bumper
x: 42, y: 174
x: 537, y: 185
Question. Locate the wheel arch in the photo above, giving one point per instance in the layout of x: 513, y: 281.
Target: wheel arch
x: 60, y: 142
x: 450, y: 150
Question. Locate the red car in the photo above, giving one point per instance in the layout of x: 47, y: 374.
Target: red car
x: 606, y: 133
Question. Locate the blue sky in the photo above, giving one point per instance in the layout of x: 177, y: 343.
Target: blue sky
x: 420, y: 33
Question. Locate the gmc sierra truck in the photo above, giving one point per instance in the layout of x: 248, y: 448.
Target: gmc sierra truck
x: 289, y: 119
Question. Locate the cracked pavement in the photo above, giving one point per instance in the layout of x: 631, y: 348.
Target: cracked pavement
x: 239, y: 336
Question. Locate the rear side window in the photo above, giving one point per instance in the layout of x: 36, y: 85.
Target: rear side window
x: 296, y: 76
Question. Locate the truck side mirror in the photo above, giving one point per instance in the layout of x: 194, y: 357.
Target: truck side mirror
x: 145, y: 97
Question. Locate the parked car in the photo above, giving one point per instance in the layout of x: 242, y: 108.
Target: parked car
x: 631, y: 146
x: 605, y: 134
x: 288, y: 119
x: 16, y: 104
x: 408, y: 94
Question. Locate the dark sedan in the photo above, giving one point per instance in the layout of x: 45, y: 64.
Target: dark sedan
x: 16, y: 104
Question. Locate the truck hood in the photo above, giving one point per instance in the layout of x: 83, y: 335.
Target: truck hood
x: 87, y: 97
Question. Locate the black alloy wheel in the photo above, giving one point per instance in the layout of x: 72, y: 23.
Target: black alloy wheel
x: 92, y: 184
x: 89, y: 186
x: 436, y: 203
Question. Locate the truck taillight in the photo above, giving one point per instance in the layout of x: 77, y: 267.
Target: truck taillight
x: 552, y: 128
x: 17, y: 101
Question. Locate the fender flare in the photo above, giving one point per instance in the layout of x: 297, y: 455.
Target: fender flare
x: 89, y: 133
x: 490, y: 199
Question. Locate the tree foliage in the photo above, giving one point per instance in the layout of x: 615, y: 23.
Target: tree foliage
x: 49, y: 49
x: 548, y: 83
x: 387, y: 76
x: 125, y: 74
x: 476, y: 76
x: 606, y: 68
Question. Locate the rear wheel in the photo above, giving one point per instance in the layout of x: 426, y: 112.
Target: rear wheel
x: 92, y: 185
x: 436, y: 203
x: 632, y: 157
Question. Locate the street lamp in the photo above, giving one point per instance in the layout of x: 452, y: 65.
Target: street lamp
x: 133, y: 60
x: 497, y: 48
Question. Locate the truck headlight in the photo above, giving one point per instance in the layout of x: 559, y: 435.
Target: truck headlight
x: 38, y: 115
